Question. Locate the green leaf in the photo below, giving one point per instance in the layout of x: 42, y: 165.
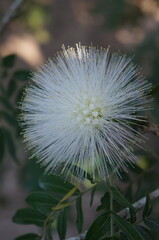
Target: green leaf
x: 56, y: 184
x: 2, y: 145
x: 48, y: 229
x: 8, y: 61
x: 29, y: 236
x: 129, y: 230
x: 22, y: 75
x: 30, y: 175
x: 144, y: 232
x: 29, y: 216
x: 152, y: 223
x: 62, y: 224
x: 92, y: 195
x: 148, y: 207
x: 118, y: 197
x: 79, y: 219
x: 11, y: 87
x: 10, y: 145
x: 105, y: 202
x: 98, y: 228
x: 132, y: 215
x: 41, y: 201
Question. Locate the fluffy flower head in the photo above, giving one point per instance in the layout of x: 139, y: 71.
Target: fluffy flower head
x: 79, y: 110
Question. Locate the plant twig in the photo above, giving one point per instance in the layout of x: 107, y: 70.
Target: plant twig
x: 139, y: 204
x: 125, y: 212
x: 79, y: 237
x: 10, y: 14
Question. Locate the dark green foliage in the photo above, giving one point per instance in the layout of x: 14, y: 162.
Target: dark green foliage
x: 152, y: 224
x: 128, y: 229
x: 8, y: 61
x: 80, y: 218
x: 30, y: 175
x: 132, y: 215
x: 22, y: 75
x: 9, y: 89
x: 144, y: 232
x: 105, y: 202
x: 148, y: 207
x: 99, y: 227
x: 29, y: 236
x: 92, y: 195
x: 41, y: 201
x: 52, y: 203
x: 118, y: 197
x: 56, y: 184
x: 29, y: 216
x: 62, y: 224
x: 48, y: 203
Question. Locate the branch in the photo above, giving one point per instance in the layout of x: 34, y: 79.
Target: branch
x: 139, y: 204
x: 79, y: 237
x: 10, y: 14
x: 125, y: 212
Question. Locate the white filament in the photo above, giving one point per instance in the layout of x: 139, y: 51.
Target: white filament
x: 79, y: 110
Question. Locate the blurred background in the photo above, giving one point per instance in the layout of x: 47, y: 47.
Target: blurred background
x: 36, y: 32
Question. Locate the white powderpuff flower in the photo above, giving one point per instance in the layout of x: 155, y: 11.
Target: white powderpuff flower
x: 79, y: 112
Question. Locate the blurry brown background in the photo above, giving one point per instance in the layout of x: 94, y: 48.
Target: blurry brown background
x: 37, y: 32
